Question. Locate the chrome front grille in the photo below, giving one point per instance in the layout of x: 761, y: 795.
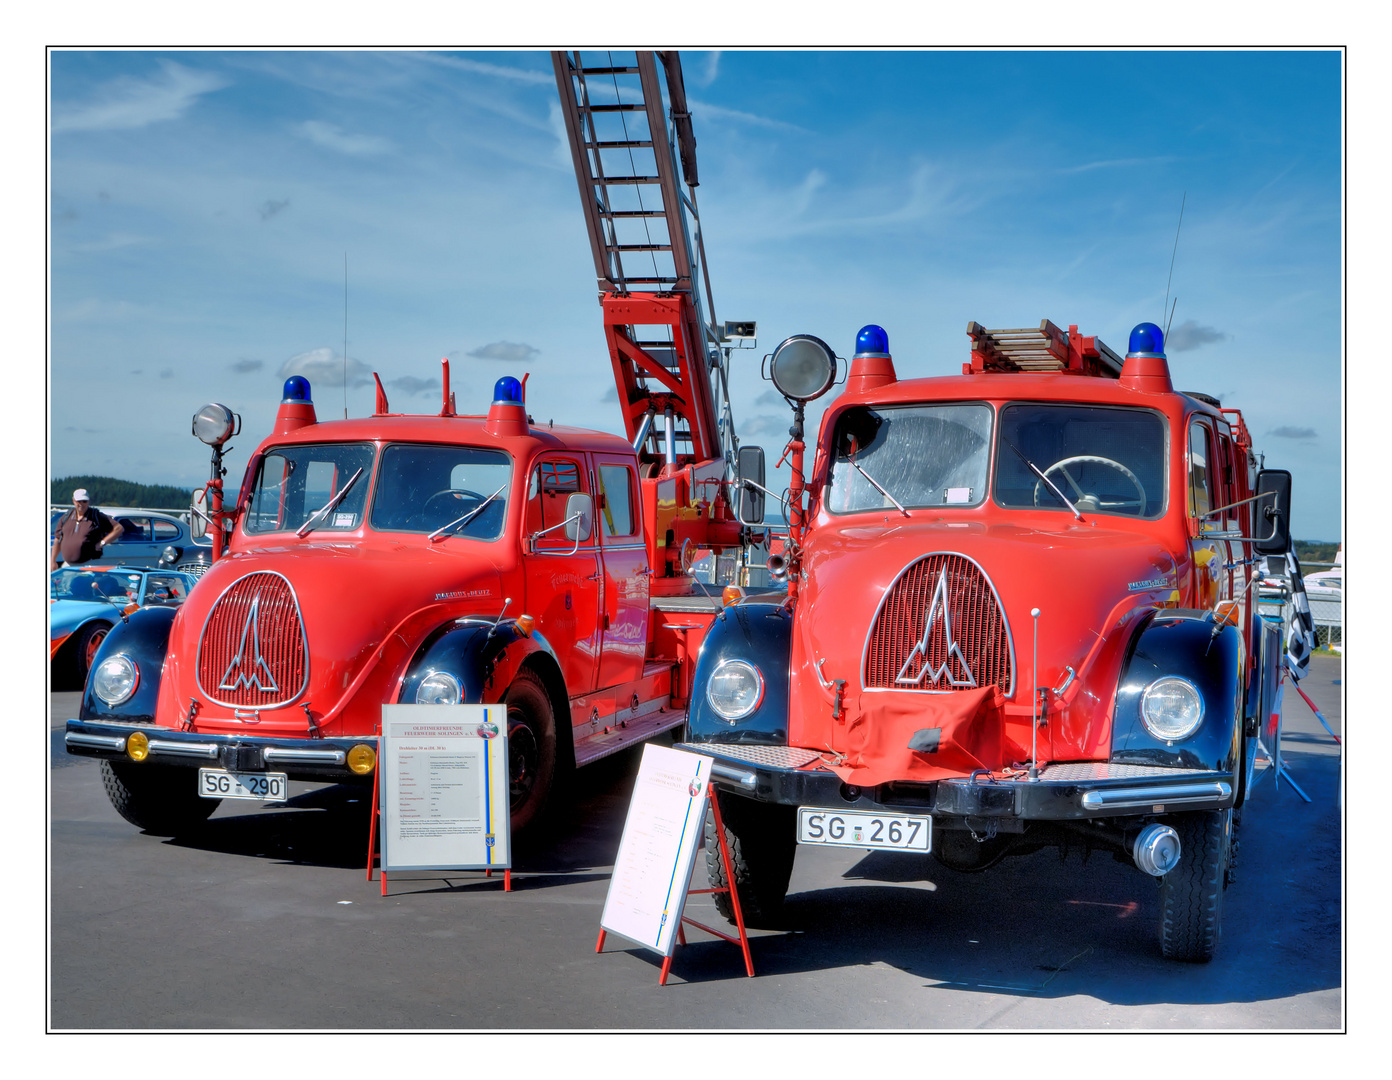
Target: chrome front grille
x: 939, y: 627
x: 252, y: 654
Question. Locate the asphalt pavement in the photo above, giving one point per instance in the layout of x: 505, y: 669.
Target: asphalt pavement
x: 266, y: 921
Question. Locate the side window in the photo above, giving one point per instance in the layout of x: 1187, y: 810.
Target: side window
x: 1201, y: 463
x: 553, y: 481
x: 137, y: 530
x: 165, y: 531
x: 165, y: 589
x: 616, y: 497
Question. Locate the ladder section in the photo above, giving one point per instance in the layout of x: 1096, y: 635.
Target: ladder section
x: 1043, y: 349
x: 649, y: 257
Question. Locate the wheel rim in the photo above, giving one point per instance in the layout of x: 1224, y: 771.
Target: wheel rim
x: 524, y: 758
x: 93, y: 644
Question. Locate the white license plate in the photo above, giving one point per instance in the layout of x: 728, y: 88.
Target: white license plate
x: 261, y: 786
x: 890, y: 831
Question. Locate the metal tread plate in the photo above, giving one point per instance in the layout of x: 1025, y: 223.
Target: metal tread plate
x: 777, y: 757
x: 1085, y: 771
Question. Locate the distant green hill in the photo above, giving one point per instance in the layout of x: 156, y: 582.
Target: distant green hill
x: 108, y: 491
x: 1316, y: 551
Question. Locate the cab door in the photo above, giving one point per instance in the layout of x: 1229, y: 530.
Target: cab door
x: 625, y: 558
x: 563, y: 578
x: 1212, y: 578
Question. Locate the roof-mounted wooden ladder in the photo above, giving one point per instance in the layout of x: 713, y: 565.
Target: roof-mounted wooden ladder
x: 1045, y: 349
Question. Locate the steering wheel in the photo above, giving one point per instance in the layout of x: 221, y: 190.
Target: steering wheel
x: 1087, y: 501
x: 458, y: 493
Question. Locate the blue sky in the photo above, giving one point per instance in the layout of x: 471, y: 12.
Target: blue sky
x: 202, y: 203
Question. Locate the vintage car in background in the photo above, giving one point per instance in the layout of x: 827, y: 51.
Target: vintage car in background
x: 149, y: 538
x: 1022, y: 613
x: 86, y: 601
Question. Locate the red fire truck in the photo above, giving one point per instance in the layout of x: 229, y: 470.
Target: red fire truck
x: 458, y: 558
x: 1021, y: 613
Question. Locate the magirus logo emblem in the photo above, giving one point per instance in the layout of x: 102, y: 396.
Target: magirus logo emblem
x: 250, y: 671
x: 938, y: 616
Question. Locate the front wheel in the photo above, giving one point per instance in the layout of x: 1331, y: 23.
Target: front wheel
x: 156, y: 798
x: 1191, y: 895
x: 762, y: 838
x: 534, y: 771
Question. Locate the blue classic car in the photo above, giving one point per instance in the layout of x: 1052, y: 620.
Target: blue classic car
x: 85, y: 602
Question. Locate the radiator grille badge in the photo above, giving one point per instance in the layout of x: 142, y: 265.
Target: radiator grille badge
x: 937, y: 613
x: 260, y: 676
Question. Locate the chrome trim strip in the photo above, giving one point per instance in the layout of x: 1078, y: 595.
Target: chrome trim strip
x: 282, y: 753
x: 183, y: 749
x: 1168, y: 795
x: 874, y: 620
x: 100, y: 742
x: 304, y: 638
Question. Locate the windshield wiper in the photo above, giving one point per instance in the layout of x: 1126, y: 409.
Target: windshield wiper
x: 1039, y: 473
x: 328, y: 508
x: 878, y: 486
x: 438, y: 534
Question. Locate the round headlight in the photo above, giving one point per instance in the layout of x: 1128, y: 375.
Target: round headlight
x: 115, y: 679
x: 439, y: 688
x: 1172, y: 708
x: 803, y: 367
x: 214, y: 424
x: 735, y: 689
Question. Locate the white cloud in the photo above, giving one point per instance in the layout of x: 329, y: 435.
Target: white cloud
x: 333, y: 137
x: 703, y: 110
x: 126, y: 102
x: 507, y: 351
x: 500, y: 71
x: 324, y: 367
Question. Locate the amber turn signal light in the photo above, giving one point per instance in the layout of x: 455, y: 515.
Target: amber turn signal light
x: 525, y: 624
x: 137, y: 746
x: 732, y: 594
x: 362, y: 759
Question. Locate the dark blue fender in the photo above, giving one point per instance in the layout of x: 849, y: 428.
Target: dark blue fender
x: 486, y: 659
x: 1182, y: 643
x: 762, y: 635
x: 144, y: 637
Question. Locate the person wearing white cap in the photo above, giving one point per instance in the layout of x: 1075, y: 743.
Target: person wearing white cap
x: 82, y: 532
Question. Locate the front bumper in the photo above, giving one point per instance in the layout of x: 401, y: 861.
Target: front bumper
x: 1063, y: 792
x: 300, y: 759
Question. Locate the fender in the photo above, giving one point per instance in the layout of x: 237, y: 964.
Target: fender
x: 484, y: 658
x: 1182, y: 643
x: 762, y: 635
x: 144, y: 637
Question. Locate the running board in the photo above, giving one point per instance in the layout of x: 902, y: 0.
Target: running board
x: 623, y: 733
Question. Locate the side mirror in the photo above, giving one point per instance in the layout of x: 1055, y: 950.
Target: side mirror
x: 579, y: 514
x: 1272, y: 512
x: 199, y: 524
x: 751, y: 499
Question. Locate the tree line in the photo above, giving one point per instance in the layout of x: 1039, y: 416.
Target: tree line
x: 108, y: 491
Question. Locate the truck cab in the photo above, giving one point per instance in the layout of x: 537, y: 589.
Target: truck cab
x: 1021, y: 613
x: 429, y: 560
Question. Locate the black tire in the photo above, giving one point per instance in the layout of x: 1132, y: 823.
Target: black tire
x: 1191, y: 895
x: 157, y: 799
x: 762, y: 839
x: 85, y: 650
x: 534, y: 770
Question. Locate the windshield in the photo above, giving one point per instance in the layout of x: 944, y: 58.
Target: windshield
x: 920, y: 455
x: 452, y: 488
x: 93, y: 585
x: 293, y: 482
x: 1102, y: 460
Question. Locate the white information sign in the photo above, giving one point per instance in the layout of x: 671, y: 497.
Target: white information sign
x: 444, y: 788
x: 661, y: 834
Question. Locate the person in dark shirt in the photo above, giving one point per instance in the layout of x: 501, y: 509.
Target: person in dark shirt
x: 82, y: 533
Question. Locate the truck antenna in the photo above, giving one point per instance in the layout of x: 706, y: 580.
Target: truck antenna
x: 1172, y: 258
x: 345, y: 335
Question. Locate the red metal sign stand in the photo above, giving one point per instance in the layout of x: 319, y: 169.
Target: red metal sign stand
x: 743, y: 940
x: 372, y: 857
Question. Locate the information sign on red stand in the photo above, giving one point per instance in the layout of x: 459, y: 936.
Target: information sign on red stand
x: 440, y: 793
x: 652, y: 872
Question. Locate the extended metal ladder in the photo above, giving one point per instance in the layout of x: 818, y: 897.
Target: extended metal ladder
x: 1046, y: 349
x: 645, y: 235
